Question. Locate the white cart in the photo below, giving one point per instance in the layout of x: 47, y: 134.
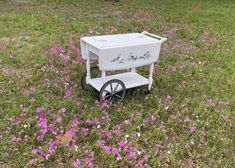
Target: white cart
x: 119, y: 52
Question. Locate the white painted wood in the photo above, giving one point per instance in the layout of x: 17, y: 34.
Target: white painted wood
x: 130, y: 79
x: 155, y: 36
x: 119, y: 40
x: 88, y: 67
x: 133, y: 70
x: 128, y: 56
x: 151, y: 76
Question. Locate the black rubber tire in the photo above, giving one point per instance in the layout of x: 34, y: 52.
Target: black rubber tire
x: 94, y: 72
x: 114, y: 96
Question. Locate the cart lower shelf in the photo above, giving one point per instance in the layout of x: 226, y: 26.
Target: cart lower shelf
x: 130, y: 79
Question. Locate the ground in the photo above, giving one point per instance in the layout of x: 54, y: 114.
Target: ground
x: 47, y: 120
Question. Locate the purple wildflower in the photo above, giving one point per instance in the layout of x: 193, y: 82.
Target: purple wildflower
x: 39, y: 109
x: 173, y: 69
x: 115, y: 151
x: 205, y: 35
x: 146, y: 157
x: 75, y: 121
x: 107, y: 149
x: 121, y: 143
x: 68, y: 93
x: 88, y: 161
x: 76, y: 163
x: 192, y: 130
x: 89, y: 122
x: 52, y: 50
x: 63, y: 110
x: 84, y: 131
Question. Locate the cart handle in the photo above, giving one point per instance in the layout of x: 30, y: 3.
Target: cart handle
x: 155, y: 36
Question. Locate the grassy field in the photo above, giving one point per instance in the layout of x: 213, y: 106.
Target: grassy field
x: 47, y: 120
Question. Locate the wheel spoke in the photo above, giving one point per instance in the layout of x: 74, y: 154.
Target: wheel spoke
x: 116, y: 88
x: 107, y: 95
x: 111, y: 86
x: 106, y: 91
x: 116, y: 95
x: 110, y: 97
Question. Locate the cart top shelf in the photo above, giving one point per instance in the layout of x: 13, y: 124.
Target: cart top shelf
x: 119, y: 40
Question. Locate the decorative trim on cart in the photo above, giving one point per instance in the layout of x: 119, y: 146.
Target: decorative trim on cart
x: 119, y: 59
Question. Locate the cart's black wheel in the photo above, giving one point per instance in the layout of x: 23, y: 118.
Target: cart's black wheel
x: 113, y: 91
x: 147, y: 92
x: 94, y: 73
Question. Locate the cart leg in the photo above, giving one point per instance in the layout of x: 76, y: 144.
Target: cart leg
x: 88, y: 66
x: 103, y: 75
x: 150, y: 76
x: 133, y: 70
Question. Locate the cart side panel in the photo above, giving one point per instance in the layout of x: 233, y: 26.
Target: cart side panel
x: 88, y: 49
x: 128, y: 57
x: 83, y: 49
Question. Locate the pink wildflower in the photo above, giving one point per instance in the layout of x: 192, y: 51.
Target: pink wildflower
x: 169, y: 97
x: 88, y: 161
x: 121, y: 143
x: 19, y: 139
x: 119, y: 158
x: 118, y: 132
x: 32, y: 100
x: 60, y: 49
x: 159, y: 146
x: 220, y: 111
x: 76, y: 163
x: 101, y: 143
x: 58, y: 120
x: 139, y: 164
x: 32, y: 161
x: 52, y: 60
x: 211, y: 103
x: 68, y: 93
x: 107, y: 149
x: 21, y: 106
x: 146, y: 157
x: 25, y: 93
x: 173, y: 69
x: 46, y: 156
x: 75, y: 121
x: 133, y: 155
x: 186, y: 119
x: 68, y: 145
x: 72, y: 134
x: 192, y: 130
x: 203, y: 134
x: 66, y: 58
x: 43, y: 116
x: 63, y: 110
x: 52, y: 50
x: 205, y: 35
x: 84, y: 131
x: 35, y: 151
x: 115, y: 151
x: 54, y: 144
x: 89, y: 122
x: 40, y: 137
x: 39, y: 109
x: 192, y: 142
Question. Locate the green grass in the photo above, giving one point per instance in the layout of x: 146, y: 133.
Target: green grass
x: 200, y: 93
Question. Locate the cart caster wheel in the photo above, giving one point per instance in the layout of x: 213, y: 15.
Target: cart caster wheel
x: 147, y: 92
x: 113, y: 91
x: 94, y: 72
